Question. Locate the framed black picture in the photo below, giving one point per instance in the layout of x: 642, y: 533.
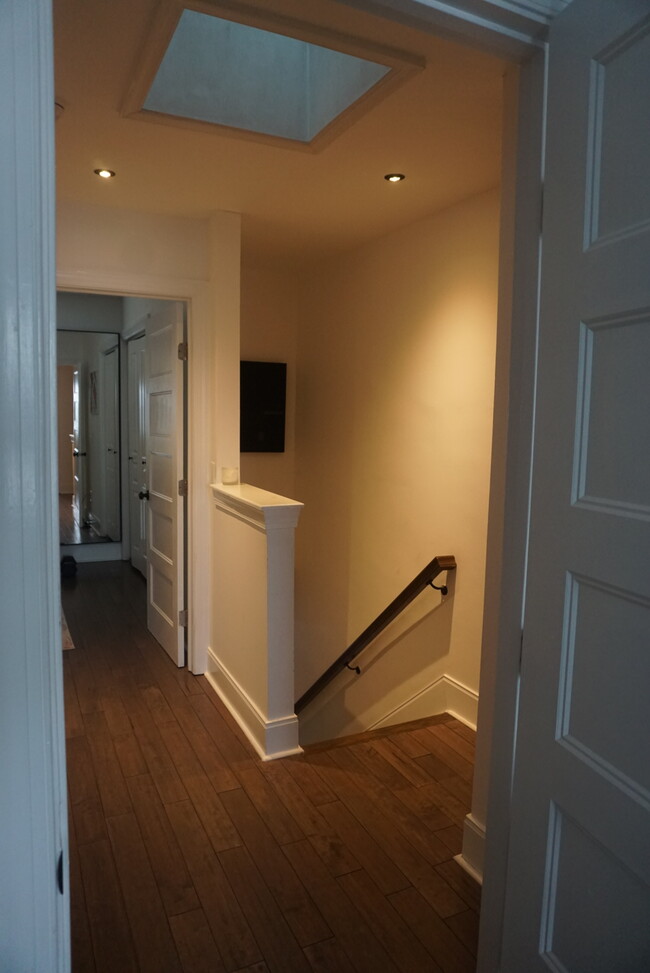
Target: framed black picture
x: 263, y: 388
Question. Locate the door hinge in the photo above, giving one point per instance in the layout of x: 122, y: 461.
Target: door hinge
x: 182, y: 488
x: 182, y: 351
x: 182, y: 618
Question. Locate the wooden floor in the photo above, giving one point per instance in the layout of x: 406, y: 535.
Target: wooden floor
x: 190, y: 854
x: 70, y: 530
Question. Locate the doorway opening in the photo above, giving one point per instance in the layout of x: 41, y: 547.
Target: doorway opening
x: 122, y: 424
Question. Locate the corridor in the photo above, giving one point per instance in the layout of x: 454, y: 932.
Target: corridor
x: 189, y: 854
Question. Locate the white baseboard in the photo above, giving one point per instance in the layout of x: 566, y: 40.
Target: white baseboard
x: 443, y: 695
x: 271, y: 738
x: 472, y: 856
x: 461, y: 702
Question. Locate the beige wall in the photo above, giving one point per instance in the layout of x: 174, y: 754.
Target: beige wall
x: 394, y: 415
x: 269, y: 319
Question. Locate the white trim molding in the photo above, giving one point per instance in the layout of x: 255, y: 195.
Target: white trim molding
x: 251, y: 659
x: 271, y: 738
x: 508, y: 28
x: 443, y: 695
x: 472, y: 856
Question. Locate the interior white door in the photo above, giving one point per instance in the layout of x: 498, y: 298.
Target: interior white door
x: 578, y: 892
x: 111, y: 436
x: 165, y: 550
x: 138, y: 477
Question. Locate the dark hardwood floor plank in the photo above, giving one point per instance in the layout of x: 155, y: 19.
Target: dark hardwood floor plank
x: 129, y: 755
x: 229, y: 927
x: 367, y: 791
x: 213, y: 815
x: 158, y: 706
x: 81, y: 947
x: 408, y: 769
x: 229, y: 743
x: 435, y: 796
x: 462, y: 730
x: 408, y: 744
x: 435, y: 935
x: 465, y: 925
x: 305, y: 814
x: 405, y: 950
x: 313, y: 786
x: 195, y: 943
x: 464, y: 884
x: 293, y: 899
x: 346, y: 922
x: 419, y: 801
x: 206, y: 749
x: 74, y: 724
x: 367, y: 850
x: 452, y: 837
x: 159, y: 763
x: 108, y: 772
x: 87, y: 810
x: 448, y: 755
x: 272, y: 933
x: 109, y: 926
x: 280, y: 822
x: 151, y: 934
x: 174, y: 883
x: 449, y: 735
x: 328, y: 957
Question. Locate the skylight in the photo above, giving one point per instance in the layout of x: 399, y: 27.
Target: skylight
x: 226, y: 73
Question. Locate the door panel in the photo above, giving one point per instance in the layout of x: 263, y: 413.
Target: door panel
x: 165, y: 555
x: 578, y: 892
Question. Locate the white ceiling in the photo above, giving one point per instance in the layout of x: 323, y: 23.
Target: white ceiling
x: 441, y: 128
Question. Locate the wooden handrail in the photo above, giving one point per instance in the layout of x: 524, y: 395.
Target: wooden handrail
x: 412, y: 590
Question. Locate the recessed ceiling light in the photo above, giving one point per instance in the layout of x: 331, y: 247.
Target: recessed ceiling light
x: 394, y: 176
x: 104, y: 173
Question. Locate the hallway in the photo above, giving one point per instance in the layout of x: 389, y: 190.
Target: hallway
x: 189, y: 854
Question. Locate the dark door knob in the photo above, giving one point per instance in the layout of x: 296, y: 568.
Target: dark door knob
x: 75, y: 452
x: 144, y: 494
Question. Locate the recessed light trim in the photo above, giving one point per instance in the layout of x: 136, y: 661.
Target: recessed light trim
x: 394, y: 177
x: 104, y: 173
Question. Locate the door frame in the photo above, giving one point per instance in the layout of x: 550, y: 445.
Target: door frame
x: 196, y: 297
x: 27, y: 249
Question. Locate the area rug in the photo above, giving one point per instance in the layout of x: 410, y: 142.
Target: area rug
x: 66, y: 638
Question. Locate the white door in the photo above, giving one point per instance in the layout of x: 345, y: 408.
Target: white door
x: 111, y: 437
x: 578, y: 894
x: 165, y: 549
x: 138, y: 477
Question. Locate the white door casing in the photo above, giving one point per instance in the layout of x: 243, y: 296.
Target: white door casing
x: 111, y: 443
x: 578, y: 889
x: 165, y: 530
x: 137, y: 451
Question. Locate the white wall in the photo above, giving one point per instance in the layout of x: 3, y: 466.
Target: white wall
x: 394, y: 418
x: 124, y: 252
x: 269, y: 319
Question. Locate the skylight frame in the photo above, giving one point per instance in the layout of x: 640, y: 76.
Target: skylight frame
x: 401, y: 66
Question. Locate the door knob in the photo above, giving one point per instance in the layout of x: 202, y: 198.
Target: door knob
x: 144, y: 494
